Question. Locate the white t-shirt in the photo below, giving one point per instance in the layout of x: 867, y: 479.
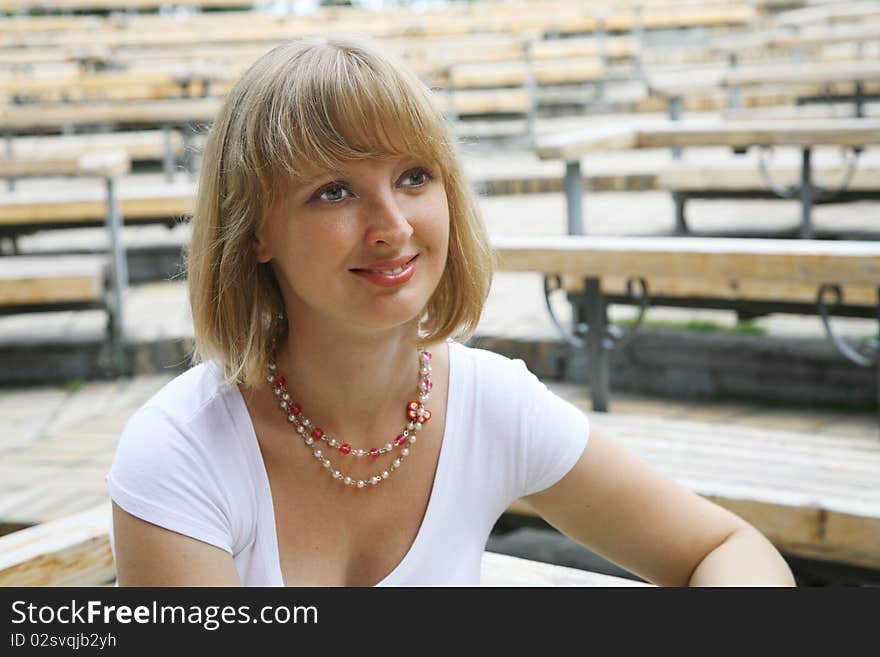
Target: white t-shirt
x: 189, y: 461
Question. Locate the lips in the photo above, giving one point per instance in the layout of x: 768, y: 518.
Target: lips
x: 389, y: 273
x: 387, y: 266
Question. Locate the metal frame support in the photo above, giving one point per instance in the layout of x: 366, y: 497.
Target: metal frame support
x: 806, y: 194
x: 572, y: 184
x: 597, y: 348
x: 531, y: 87
x: 119, y: 276
x: 168, y: 155
x: 675, y: 105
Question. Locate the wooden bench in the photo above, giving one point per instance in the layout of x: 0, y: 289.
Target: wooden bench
x: 686, y: 181
x: 811, y: 495
x: 572, y: 146
x: 38, y: 153
x: 75, y: 551
x: 140, y: 203
x: 754, y: 275
x: 49, y: 284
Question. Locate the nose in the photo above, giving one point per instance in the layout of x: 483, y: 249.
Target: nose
x: 388, y: 222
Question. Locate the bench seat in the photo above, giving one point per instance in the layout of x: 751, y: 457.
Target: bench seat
x: 812, y: 495
x: 81, y: 207
x: 27, y: 281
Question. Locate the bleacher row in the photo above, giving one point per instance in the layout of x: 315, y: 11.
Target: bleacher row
x: 123, y: 95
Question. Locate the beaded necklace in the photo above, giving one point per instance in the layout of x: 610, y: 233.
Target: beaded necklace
x: 315, y: 438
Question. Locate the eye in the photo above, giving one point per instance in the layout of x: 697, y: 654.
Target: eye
x: 332, y: 193
x: 416, y: 177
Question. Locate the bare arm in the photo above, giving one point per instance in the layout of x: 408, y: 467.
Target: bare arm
x: 626, y: 510
x: 149, y: 555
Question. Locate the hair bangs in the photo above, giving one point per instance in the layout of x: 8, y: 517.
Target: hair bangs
x: 344, y: 105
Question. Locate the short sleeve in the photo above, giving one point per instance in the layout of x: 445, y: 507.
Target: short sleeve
x: 554, y: 434
x: 163, y: 474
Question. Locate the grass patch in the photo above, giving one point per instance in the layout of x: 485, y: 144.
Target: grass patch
x: 74, y: 385
x: 699, y: 325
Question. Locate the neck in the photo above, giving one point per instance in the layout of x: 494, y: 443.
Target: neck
x: 354, y: 385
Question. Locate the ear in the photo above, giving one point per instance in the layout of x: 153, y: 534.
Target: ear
x: 261, y: 243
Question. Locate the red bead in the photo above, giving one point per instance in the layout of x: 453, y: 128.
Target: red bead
x: 426, y: 416
x: 413, y: 406
x: 374, y: 453
x: 400, y: 440
x: 296, y: 409
x: 426, y: 355
x: 345, y: 449
x: 317, y: 433
x: 280, y: 381
x: 429, y: 384
x: 411, y: 414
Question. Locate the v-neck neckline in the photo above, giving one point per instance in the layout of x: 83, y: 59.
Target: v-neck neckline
x: 274, y: 556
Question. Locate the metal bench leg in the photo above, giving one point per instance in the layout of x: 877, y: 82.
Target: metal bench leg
x: 597, y: 352
x: 168, y: 155
x: 806, y: 194
x: 681, y: 227
x: 119, y: 272
x: 573, y: 186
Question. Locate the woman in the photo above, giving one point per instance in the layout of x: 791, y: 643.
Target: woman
x: 333, y: 433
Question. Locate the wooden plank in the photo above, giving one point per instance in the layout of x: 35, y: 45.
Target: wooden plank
x: 808, y: 496
x: 735, y: 177
x: 843, y: 132
x: 812, y: 72
x: 731, y: 290
x: 90, y: 205
x: 140, y: 145
x: 504, y: 570
x: 495, y: 101
x: 26, y: 280
x: 141, y: 112
x: 514, y: 73
x: 73, y: 551
x: 569, y: 146
x: 793, y: 261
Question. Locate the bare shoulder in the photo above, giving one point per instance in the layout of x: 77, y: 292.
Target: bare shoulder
x: 149, y: 555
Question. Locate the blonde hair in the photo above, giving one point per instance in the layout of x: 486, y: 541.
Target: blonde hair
x: 305, y: 107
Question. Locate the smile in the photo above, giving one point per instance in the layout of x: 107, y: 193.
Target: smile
x: 389, y: 277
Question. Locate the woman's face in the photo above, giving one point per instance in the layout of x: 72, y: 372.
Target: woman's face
x: 365, y: 245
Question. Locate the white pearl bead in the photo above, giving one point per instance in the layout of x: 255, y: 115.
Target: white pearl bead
x: 337, y: 474
x: 326, y: 463
x: 396, y: 463
x: 361, y: 452
x: 270, y: 378
x: 333, y: 442
x: 301, y: 429
x: 291, y: 418
x: 385, y: 474
x: 375, y: 480
x: 361, y: 483
x: 347, y: 480
x: 411, y: 426
x: 309, y: 440
x: 412, y: 439
x: 283, y: 405
x: 423, y: 398
x: 405, y: 452
x: 317, y: 453
x: 285, y: 396
x: 418, y: 425
x: 389, y: 447
x: 272, y: 366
